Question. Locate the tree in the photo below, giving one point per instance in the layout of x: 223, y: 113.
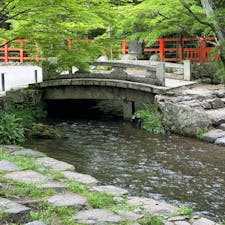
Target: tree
x: 51, y: 23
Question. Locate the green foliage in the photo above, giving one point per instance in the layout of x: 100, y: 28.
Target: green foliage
x: 151, y: 220
x: 212, y: 71
x: 52, y: 23
x: 11, y: 129
x: 184, y: 210
x: 150, y: 121
x: 200, y: 133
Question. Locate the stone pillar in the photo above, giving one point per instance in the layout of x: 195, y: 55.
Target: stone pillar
x: 135, y: 50
x: 3, y: 81
x: 128, y: 110
x: 187, y: 70
x: 160, y: 73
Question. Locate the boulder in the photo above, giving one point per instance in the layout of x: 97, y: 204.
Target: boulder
x: 212, y: 135
x: 183, y: 119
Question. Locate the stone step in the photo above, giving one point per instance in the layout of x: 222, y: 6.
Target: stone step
x: 17, y: 213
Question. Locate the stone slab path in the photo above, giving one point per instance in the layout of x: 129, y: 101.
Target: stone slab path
x: 76, y: 192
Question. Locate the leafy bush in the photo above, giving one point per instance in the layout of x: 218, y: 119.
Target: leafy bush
x: 150, y: 121
x: 11, y: 129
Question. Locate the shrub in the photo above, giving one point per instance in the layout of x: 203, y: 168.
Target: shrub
x: 150, y: 121
x: 11, y: 129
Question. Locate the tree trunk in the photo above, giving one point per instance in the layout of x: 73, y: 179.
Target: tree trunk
x: 211, y: 12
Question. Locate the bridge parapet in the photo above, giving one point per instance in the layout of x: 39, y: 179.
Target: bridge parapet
x: 152, y: 74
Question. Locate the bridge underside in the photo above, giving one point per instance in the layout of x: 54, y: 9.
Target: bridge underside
x: 130, y: 97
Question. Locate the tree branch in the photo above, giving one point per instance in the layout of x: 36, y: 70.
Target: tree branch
x: 195, y: 16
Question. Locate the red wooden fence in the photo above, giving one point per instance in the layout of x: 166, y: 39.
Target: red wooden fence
x: 169, y: 49
x: 177, y: 50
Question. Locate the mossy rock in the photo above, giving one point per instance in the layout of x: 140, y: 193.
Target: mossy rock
x: 40, y: 130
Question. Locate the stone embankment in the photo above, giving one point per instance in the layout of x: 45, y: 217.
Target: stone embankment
x: 198, y: 111
x: 38, y: 190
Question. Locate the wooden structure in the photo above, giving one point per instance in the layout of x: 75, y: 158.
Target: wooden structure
x: 179, y: 49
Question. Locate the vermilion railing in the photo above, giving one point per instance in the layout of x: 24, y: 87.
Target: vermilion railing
x: 168, y: 49
x: 14, y: 51
x: 177, y: 49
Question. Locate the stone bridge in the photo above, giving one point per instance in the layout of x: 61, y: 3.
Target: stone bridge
x: 105, y: 87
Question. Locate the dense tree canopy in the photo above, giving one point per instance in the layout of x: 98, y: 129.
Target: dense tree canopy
x: 51, y: 22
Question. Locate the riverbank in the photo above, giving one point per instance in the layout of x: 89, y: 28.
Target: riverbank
x: 196, y: 112
x: 35, y: 187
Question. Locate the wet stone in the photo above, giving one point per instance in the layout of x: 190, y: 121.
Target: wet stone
x: 203, y: 221
x: 54, y: 164
x: 6, y: 165
x: 79, y: 177
x: 29, y: 152
x: 57, y: 186
x: 216, y: 103
x: 212, y: 135
x: 36, y: 223
x: 222, y: 126
x: 181, y: 223
x: 220, y: 141
x: 67, y: 199
x: 110, y: 189
x: 152, y: 206
x: 26, y: 176
x: 178, y: 218
x: 17, y: 212
x: 98, y: 217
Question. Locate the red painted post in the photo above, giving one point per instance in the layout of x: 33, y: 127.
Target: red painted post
x: 6, y: 52
x: 124, y: 46
x: 202, y: 55
x: 161, y: 49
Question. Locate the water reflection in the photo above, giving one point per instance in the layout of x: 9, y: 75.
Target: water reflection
x: 175, y: 169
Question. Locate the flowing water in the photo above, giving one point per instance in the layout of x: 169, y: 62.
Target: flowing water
x: 168, y: 168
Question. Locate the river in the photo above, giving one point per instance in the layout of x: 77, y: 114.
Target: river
x: 175, y: 169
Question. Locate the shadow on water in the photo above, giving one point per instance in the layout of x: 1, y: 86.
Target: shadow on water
x: 169, y: 168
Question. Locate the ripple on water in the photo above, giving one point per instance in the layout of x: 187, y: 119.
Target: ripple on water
x: 171, y: 168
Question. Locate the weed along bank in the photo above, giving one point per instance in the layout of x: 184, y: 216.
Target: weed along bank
x: 37, y: 189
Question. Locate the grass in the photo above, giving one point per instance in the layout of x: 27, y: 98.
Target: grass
x: 151, y: 220
x: 150, y: 120
x: 200, y: 133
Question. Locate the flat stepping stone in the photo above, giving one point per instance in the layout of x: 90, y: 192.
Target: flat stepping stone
x: 17, y: 213
x: 79, y: 177
x: 68, y: 199
x: 54, y: 164
x: 110, y: 189
x: 36, y: 223
x: 26, y: 176
x: 57, y: 186
x: 10, y: 148
x: 130, y: 216
x: 98, y: 217
x: 212, y: 135
x: 29, y: 152
x: 6, y: 165
x: 152, y: 206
